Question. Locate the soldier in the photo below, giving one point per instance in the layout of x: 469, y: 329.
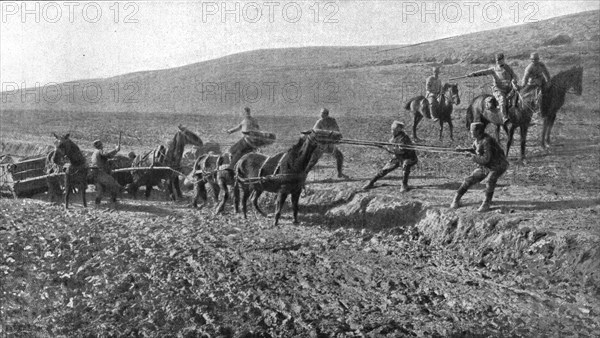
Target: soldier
x: 492, y: 164
x: 406, y: 158
x: 101, y: 172
x: 536, y: 77
x: 433, y: 87
x: 327, y: 123
x: 504, y: 79
x: 242, y: 147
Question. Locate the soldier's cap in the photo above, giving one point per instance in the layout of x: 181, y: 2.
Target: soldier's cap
x: 499, y: 56
x: 397, y: 124
x: 534, y: 56
x: 324, y: 111
x: 476, y: 125
x: 247, y: 110
x: 97, y: 143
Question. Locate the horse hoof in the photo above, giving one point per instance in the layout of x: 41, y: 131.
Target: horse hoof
x: 296, y: 222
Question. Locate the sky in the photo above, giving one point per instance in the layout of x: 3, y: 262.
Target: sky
x: 47, y: 42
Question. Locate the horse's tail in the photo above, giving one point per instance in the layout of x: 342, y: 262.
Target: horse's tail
x: 469, y: 115
x: 416, y: 98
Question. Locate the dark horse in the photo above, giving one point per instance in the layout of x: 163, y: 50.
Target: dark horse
x: 520, y: 116
x: 76, y: 174
x: 418, y: 106
x: 553, y: 97
x: 170, y: 157
x: 283, y: 173
x: 213, y: 170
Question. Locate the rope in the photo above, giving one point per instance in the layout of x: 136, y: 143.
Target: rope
x: 433, y: 149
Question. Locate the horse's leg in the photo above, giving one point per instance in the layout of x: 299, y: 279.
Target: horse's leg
x: 67, y: 190
x: 225, y: 195
x: 295, y: 199
x: 544, y: 131
x: 441, y: 128
x: 245, y: 195
x: 216, y: 191
x: 148, y: 190
x: 498, y: 133
x: 177, y: 186
x: 524, y: 128
x: 281, y: 197
x: 451, y: 129
x: 511, y: 134
x: 83, y: 189
x: 255, y: 198
x: 199, y: 193
x: 236, y: 197
x: 550, y: 126
x: 417, y: 118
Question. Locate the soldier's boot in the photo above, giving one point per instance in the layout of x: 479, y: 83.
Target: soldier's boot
x: 371, y: 183
x: 405, y: 186
x: 485, y: 206
x: 459, y: 194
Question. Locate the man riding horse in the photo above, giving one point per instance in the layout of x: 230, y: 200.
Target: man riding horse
x: 433, y: 87
x: 505, y: 80
x: 242, y: 147
x: 535, y: 78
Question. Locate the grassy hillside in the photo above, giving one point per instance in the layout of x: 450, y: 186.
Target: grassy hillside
x: 352, y: 81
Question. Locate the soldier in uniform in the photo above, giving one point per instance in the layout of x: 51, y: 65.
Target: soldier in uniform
x: 536, y: 77
x: 489, y: 155
x: 101, y: 172
x: 406, y: 158
x: 327, y: 123
x: 433, y: 88
x: 504, y: 80
x: 242, y: 147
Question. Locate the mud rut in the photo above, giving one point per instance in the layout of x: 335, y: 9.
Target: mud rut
x: 377, y: 264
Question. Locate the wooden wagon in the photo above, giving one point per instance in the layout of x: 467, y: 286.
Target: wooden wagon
x: 24, y: 178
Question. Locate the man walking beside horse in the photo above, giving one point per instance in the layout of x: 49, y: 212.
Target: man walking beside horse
x: 327, y: 123
x: 101, y: 172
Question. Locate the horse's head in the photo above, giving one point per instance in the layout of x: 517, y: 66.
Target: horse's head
x: 64, y: 146
x: 452, y: 93
x: 189, y: 137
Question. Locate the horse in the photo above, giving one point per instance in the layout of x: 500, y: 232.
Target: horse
x: 419, y: 106
x: 169, y: 156
x: 213, y: 170
x: 284, y: 173
x: 76, y: 174
x: 520, y: 115
x: 118, y: 162
x: 553, y: 97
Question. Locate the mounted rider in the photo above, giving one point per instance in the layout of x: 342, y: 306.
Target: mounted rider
x: 535, y: 78
x: 101, y: 172
x: 242, y: 147
x: 433, y: 90
x: 327, y: 123
x: 505, y: 80
x: 406, y: 158
x: 489, y: 155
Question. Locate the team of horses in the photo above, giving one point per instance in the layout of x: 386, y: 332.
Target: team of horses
x: 285, y: 173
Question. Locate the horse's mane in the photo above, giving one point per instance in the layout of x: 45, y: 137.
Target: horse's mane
x: 561, y: 76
